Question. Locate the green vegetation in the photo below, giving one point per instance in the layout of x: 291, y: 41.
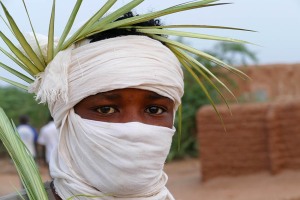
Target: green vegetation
x: 16, y: 102
x: 193, y: 99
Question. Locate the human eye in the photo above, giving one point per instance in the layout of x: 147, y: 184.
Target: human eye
x: 155, y: 110
x: 106, y: 110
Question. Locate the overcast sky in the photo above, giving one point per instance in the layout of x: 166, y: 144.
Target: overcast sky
x: 277, y: 22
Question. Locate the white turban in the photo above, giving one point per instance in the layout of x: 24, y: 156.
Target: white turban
x: 117, y: 153
x: 122, y: 62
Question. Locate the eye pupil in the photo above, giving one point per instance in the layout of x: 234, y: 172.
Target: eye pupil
x: 153, y: 109
x: 105, y: 110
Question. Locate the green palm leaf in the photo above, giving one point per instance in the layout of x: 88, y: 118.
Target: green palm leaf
x: 116, y: 14
x: 20, y: 37
x: 200, y: 69
x: 203, y: 55
x: 188, y: 26
x: 19, y: 85
x: 68, y: 26
x: 190, y: 35
x: 50, y: 50
x: 7, y: 25
x: 153, y: 15
x: 20, y: 155
x: 106, y: 20
x: 19, y: 54
x: 200, y: 83
x: 37, y: 42
x: 24, y: 67
x: 16, y: 73
x: 89, y: 23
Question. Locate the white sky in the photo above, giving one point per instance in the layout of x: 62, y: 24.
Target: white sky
x: 277, y: 23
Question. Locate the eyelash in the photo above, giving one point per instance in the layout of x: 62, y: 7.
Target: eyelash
x: 98, y: 109
x: 156, y: 107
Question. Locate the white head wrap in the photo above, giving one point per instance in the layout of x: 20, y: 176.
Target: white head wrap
x: 76, y: 73
x: 123, y: 62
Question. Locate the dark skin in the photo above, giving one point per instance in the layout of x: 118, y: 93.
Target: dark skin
x: 127, y: 105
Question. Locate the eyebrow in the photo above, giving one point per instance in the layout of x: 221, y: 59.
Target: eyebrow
x: 109, y: 96
x: 115, y: 96
x: 155, y: 96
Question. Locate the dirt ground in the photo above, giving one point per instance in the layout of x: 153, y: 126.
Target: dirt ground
x: 185, y: 183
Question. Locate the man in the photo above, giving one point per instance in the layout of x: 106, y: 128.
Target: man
x: 27, y: 134
x: 113, y: 96
x: 116, y: 125
x: 116, y: 132
x: 48, y: 138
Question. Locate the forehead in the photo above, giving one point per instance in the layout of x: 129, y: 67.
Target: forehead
x: 129, y: 94
x: 131, y: 91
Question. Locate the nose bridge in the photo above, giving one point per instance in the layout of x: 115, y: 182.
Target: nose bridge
x: 133, y: 114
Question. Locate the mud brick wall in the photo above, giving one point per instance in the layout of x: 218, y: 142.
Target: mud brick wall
x: 269, y: 82
x: 284, y: 136
x: 259, y: 137
x: 242, y: 149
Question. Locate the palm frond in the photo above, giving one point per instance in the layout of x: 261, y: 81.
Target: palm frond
x: 7, y: 25
x: 20, y: 37
x: 15, y: 60
x: 106, y: 20
x: 50, y: 50
x: 198, y: 67
x: 203, y: 55
x: 16, y: 73
x: 201, y: 84
x: 202, y: 70
x: 89, y: 23
x: 189, y: 35
x: 19, y: 54
x: 153, y: 15
x: 116, y: 14
x: 37, y: 42
x: 68, y: 26
x: 18, y: 85
x: 21, y: 157
x: 188, y: 26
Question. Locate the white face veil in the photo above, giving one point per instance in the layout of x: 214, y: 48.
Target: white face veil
x: 110, y: 160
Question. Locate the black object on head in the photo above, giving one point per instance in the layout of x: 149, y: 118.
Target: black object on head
x: 123, y: 32
x: 23, y: 119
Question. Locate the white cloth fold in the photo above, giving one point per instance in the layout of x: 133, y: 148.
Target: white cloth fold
x: 52, y: 84
x: 111, y: 160
x: 116, y: 63
x: 91, y: 160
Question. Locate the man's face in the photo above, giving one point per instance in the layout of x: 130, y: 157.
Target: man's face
x: 128, y: 105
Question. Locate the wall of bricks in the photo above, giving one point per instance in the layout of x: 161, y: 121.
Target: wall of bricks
x: 268, y: 83
x: 284, y: 136
x: 258, y: 137
x: 242, y: 149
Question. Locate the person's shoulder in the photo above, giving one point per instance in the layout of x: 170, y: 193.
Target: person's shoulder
x: 21, y: 195
x: 24, y: 129
x: 49, y: 128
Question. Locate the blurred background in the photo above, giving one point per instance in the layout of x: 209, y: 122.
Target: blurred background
x: 255, y: 154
